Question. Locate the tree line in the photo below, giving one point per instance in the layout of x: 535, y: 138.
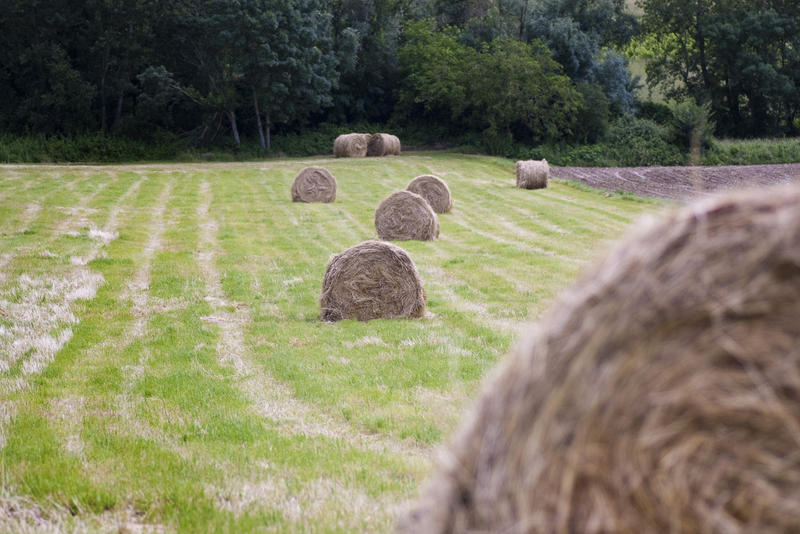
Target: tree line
x: 535, y: 70
x: 741, y: 57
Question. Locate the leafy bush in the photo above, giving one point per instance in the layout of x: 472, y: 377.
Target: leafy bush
x: 592, y: 122
x: 752, y: 151
x: 506, y: 86
x: 691, y: 125
x: 654, y: 111
x: 629, y: 142
x: 86, y: 148
x: 642, y: 142
x: 562, y: 154
x: 611, y: 72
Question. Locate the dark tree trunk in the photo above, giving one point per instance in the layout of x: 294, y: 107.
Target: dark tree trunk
x: 687, y: 64
x: 759, y: 116
x: 701, y: 46
x: 126, y: 69
x: 103, y: 114
x: 118, y: 112
x: 234, y: 128
x: 734, y: 112
x: 269, y: 129
x: 258, y: 120
x: 103, y: 109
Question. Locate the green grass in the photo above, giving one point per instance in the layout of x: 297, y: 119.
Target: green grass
x: 174, y: 373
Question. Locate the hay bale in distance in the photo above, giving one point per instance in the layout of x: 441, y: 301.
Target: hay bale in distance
x: 314, y: 184
x: 352, y: 145
x: 661, y: 394
x: 434, y: 190
x: 371, y: 280
x: 405, y: 215
x: 383, y: 144
x: 532, y: 174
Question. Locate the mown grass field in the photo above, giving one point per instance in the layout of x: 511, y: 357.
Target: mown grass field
x: 163, y: 368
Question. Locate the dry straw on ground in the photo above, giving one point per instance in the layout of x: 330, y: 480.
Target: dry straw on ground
x: 371, y: 280
x: 661, y: 395
x: 352, y: 145
x: 434, y: 190
x: 405, y: 215
x: 314, y: 184
x: 532, y: 174
x: 382, y: 144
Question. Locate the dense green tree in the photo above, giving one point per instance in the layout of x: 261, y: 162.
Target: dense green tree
x: 272, y: 56
x: 253, y: 67
x: 291, y: 66
x: 482, y: 21
x: 519, y: 87
x: 208, y: 42
x: 608, y: 21
x: 740, y: 56
x: 691, y: 127
x: 592, y: 121
x: 434, y: 67
x: 505, y: 87
x: 571, y: 46
x: 118, y: 40
x: 582, y: 34
x: 42, y: 87
x: 69, y: 67
x: 158, y: 98
x: 372, y: 29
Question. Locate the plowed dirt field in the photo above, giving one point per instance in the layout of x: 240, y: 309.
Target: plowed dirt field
x: 679, y: 183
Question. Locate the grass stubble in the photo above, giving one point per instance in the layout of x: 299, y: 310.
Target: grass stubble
x: 176, y: 376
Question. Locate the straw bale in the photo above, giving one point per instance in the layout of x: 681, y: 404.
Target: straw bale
x: 434, y: 190
x: 371, y: 280
x: 662, y: 394
x: 383, y: 144
x: 405, y: 215
x: 314, y: 184
x: 352, y: 145
x: 533, y: 174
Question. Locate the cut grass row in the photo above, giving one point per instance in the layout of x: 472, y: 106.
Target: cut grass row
x: 198, y: 389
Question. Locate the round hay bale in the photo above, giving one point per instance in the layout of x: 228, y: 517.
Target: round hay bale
x: 662, y: 394
x: 533, y: 174
x: 383, y: 144
x: 434, y: 190
x: 405, y: 215
x: 314, y: 184
x: 371, y: 280
x: 352, y: 145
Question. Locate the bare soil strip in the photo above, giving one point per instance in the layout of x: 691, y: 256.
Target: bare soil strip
x: 79, y: 213
x: 109, y: 233
x: 41, y: 317
x: 143, y: 308
x: 41, y: 310
x: 23, y: 515
x: 315, y: 500
x: 66, y: 413
x: 138, y: 288
x: 680, y: 183
x: 44, y: 307
x: 28, y: 216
